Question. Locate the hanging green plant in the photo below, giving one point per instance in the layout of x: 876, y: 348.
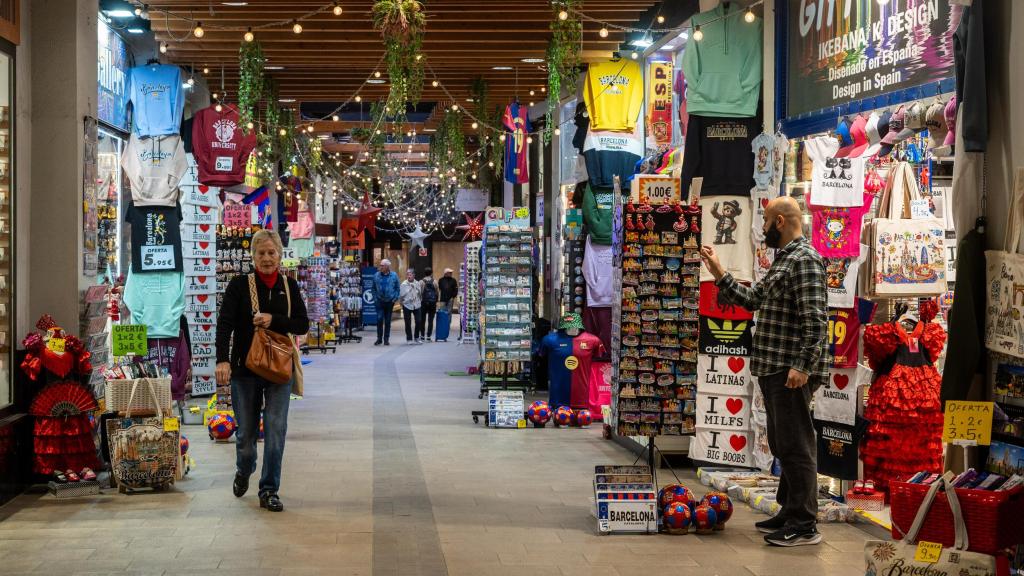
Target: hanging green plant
x: 401, y: 24
x: 251, y: 84
x: 563, y: 56
x: 448, y: 149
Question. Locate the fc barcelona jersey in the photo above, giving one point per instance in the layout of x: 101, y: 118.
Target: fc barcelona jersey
x: 517, y: 124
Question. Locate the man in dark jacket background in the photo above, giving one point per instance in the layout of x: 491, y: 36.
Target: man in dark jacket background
x: 449, y: 288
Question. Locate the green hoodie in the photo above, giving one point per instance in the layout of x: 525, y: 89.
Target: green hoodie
x: 723, y: 70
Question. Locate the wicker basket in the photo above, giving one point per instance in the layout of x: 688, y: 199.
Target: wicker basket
x: 119, y: 394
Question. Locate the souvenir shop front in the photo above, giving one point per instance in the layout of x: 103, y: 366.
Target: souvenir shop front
x: 870, y: 149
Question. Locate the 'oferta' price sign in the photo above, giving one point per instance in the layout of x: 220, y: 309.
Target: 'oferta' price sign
x: 129, y: 339
x: 968, y: 421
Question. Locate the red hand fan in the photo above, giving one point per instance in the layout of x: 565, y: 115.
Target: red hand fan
x: 63, y: 399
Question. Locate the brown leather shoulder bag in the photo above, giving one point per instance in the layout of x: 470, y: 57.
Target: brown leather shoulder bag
x: 270, y: 356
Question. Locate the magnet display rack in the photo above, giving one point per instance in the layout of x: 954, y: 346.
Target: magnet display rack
x: 506, y: 342
x: 469, y: 304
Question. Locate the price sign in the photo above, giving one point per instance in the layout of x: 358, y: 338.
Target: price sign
x: 171, y: 425
x: 238, y: 215
x: 129, y: 339
x: 521, y: 423
x: 968, y: 422
x: 656, y: 190
x: 157, y: 257
x: 56, y: 345
x: 928, y: 552
x: 920, y: 209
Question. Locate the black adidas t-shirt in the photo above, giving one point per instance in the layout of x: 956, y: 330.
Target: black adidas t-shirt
x: 838, y: 447
x: 156, y: 238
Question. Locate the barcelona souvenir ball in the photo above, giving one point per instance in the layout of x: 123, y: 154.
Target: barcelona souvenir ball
x: 183, y: 445
x: 583, y: 418
x: 719, y: 501
x: 222, y: 426
x: 675, y: 493
x: 563, y: 416
x: 704, y: 519
x: 539, y: 413
x: 676, y: 518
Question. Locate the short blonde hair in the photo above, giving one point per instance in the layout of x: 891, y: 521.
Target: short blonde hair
x: 262, y: 236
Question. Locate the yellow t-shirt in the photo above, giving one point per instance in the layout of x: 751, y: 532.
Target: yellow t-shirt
x: 614, y: 93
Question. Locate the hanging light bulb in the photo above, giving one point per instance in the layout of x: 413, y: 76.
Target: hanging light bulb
x: 249, y: 125
x: 661, y: 19
x: 215, y: 96
x: 337, y: 9
x: 749, y: 16
x: 475, y: 125
x: 529, y: 139
x: 558, y: 131
x: 310, y: 129
x: 502, y: 138
x: 359, y: 98
x: 191, y: 81
x: 248, y: 36
x: 563, y: 15
x: 698, y: 35
x: 138, y: 10
x: 198, y: 31
x: 634, y: 55
x: 163, y: 48
x: 490, y: 164
x: 455, y: 107
x: 603, y: 32
x: 376, y: 73
x: 296, y: 27
x: 218, y: 107
x: 544, y: 89
x: 334, y: 118
x: 206, y: 71
x: 283, y: 132
x: 434, y: 83
x: 419, y: 57
x: 532, y: 92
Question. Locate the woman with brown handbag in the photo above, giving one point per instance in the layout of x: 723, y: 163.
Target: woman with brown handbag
x: 261, y: 311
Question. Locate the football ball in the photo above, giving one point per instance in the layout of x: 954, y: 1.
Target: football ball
x: 563, y: 416
x: 719, y: 501
x: 183, y: 445
x: 539, y: 413
x: 676, y: 518
x: 676, y: 493
x: 583, y: 418
x: 222, y: 426
x: 704, y: 519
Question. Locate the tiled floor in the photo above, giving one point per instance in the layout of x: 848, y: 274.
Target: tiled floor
x: 386, y: 474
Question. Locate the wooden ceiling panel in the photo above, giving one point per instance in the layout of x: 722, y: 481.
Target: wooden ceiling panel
x: 333, y: 56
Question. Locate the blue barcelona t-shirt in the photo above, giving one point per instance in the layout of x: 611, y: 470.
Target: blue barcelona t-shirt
x: 556, y: 347
x: 157, y: 99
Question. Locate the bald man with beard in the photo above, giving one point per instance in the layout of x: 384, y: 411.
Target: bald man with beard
x: 790, y: 360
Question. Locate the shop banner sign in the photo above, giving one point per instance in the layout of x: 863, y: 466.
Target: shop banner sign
x: 203, y: 385
x: 471, y: 200
x: 722, y: 446
x: 351, y: 237
x: 129, y: 339
x: 200, y: 195
x: 198, y: 233
x: 844, y: 51
x: 724, y: 375
x: 369, y: 301
x: 510, y: 219
x: 238, y: 215
x: 723, y: 412
x: 659, y: 100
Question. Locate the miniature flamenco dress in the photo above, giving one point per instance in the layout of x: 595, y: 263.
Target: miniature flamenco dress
x: 904, y: 436
x: 62, y: 409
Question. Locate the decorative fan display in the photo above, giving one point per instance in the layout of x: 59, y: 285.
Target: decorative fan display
x: 63, y: 399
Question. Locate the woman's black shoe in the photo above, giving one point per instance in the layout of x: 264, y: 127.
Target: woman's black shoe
x: 240, y: 485
x: 271, y: 502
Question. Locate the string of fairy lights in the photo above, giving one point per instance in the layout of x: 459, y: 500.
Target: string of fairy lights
x: 405, y: 201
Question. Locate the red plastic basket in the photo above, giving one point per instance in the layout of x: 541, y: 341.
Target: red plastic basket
x: 993, y: 519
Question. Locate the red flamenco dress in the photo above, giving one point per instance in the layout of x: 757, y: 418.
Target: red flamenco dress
x: 905, y: 433
x: 62, y: 409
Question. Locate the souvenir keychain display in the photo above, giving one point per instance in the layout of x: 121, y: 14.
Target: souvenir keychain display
x: 233, y: 256
x: 659, y: 322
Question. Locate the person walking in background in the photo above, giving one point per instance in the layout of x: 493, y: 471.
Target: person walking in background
x: 410, y: 296
x: 385, y: 293
x: 449, y: 288
x: 790, y: 359
x: 429, y: 298
x: 281, y: 310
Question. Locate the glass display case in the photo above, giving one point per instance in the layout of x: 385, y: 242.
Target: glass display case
x: 6, y: 223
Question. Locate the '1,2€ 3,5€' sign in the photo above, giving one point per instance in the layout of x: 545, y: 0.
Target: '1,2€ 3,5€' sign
x: 967, y: 422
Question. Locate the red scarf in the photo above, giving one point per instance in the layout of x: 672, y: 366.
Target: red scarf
x: 269, y: 279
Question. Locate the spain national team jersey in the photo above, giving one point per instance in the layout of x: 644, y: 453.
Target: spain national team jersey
x: 517, y: 123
